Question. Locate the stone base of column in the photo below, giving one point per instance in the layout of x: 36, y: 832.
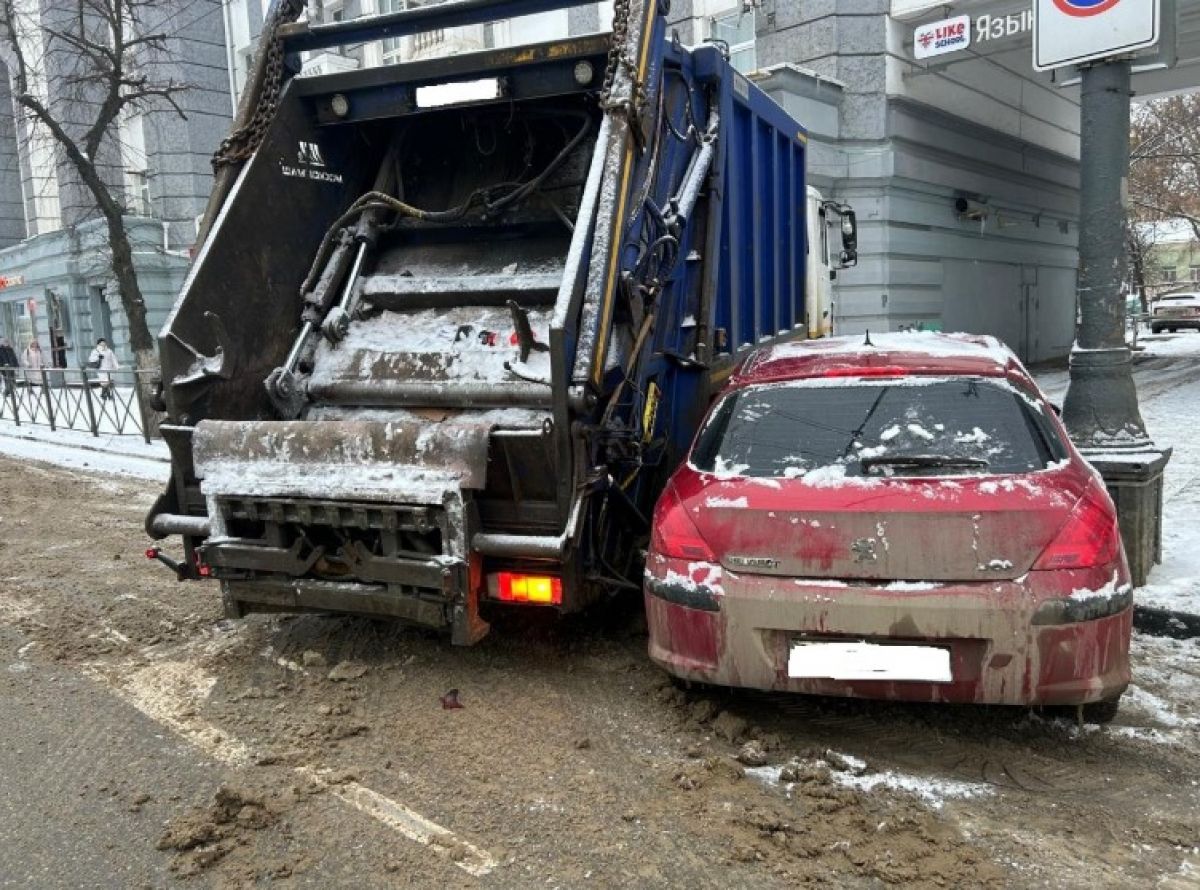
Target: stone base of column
x: 1134, y: 480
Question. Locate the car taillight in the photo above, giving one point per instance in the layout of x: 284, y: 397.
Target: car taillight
x: 674, y: 534
x: 515, y: 587
x: 853, y: 370
x: 1090, y: 536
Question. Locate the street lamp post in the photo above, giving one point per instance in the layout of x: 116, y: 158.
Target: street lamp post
x: 1101, y: 407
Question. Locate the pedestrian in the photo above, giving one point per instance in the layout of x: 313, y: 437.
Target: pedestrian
x: 104, y: 360
x: 8, y: 365
x: 34, y: 360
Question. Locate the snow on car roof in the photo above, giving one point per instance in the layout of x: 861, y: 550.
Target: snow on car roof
x: 909, y: 352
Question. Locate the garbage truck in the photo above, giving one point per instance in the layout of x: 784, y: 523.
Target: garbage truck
x: 451, y: 323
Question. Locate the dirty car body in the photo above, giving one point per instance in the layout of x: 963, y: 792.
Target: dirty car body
x: 905, y: 520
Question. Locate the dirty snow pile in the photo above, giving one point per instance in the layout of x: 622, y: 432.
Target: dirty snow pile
x: 849, y: 771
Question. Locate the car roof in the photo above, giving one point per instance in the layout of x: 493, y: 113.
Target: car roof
x: 1180, y: 295
x: 910, y: 352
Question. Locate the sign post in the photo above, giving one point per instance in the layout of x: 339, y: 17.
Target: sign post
x: 1101, y: 408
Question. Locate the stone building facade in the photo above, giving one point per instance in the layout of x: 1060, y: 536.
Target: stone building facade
x: 55, y: 281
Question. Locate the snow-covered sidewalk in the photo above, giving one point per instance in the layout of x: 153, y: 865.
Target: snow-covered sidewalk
x: 116, y: 455
x: 1167, y: 372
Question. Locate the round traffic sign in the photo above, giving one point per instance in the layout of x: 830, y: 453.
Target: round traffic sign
x: 1084, y: 8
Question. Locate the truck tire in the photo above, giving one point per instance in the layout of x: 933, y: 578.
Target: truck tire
x: 1102, y: 712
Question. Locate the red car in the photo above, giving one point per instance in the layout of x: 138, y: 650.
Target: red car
x: 897, y: 519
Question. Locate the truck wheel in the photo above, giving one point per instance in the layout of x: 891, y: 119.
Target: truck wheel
x: 1155, y: 329
x: 1101, y: 712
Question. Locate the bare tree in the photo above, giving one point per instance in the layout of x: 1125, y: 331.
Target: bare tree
x: 1140, y: 238
x: 77, y: 66
x: 1165, y: 161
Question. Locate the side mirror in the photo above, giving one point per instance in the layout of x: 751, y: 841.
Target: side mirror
x: 848, y: 225
x: 849, y: 237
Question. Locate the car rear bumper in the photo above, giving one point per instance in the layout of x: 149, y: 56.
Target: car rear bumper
x: 998, y: 654
x: 1183, y: 323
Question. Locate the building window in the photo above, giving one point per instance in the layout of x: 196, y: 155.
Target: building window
x: 42, y: 210
x: 393, y: 47
x: 132, y: 135
x: 736, y: 30
x: 1169, y: 276
x: 1195, y: 270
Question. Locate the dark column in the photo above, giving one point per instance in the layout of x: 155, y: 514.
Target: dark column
x: 1101, y: 408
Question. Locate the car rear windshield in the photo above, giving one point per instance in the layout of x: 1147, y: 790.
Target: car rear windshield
x: 909, y: 427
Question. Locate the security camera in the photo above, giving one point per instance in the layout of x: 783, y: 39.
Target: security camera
x: 967, y: 209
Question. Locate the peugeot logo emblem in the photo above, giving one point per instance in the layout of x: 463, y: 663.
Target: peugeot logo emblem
x: 864, y: 550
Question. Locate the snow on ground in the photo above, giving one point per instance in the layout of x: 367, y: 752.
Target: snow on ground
x: 1167, y: 371
x: 851, y: 772
x: 113, y: 455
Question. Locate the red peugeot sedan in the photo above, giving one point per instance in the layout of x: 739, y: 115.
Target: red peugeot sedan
x: 897, y: 519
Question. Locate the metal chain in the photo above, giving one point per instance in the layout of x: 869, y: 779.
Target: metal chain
x: 618, y: 58
x: 239, y: 145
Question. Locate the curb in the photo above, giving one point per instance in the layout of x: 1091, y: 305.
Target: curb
x: 1166, y: 623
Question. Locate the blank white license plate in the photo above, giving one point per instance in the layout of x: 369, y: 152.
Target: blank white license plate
x: 868, y: 661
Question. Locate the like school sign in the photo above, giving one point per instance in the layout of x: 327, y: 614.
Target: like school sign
x: 939, y: 38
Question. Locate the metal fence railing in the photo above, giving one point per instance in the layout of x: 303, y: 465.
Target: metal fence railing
x: 99, y: 402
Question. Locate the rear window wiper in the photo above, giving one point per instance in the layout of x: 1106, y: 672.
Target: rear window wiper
x: 923, y: 462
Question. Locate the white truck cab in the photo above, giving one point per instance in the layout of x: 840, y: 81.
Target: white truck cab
x: 823, y: 261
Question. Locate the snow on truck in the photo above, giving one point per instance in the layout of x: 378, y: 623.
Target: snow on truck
x: 453, y: 322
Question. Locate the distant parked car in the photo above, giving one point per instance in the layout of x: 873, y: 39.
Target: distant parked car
x: 897, y: 519
x: 1174, y: 311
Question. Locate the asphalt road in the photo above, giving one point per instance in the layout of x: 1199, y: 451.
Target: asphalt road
x: 89, y: 784
x: 75, y: 761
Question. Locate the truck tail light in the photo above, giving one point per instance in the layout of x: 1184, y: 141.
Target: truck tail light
x: 674, y: 534
x: 1090, y: 536
x: 514, y: 587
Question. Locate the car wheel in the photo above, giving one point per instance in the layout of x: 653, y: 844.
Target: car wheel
x: 1154, y: 329
x: 1101, y: 711
x: 1173, y: 330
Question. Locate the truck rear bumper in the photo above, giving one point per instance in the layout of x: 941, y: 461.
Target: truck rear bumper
x: 243, y: 597
x: 459, y: 615
x: 996, y: 654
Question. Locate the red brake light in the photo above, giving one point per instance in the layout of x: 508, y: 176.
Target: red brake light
x: 512, y: 587
x: 674, y: 534
x: 866, y: 371
x: 1090, y: 536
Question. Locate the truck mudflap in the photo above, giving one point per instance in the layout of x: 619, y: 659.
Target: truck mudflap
x: 363, y: 516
